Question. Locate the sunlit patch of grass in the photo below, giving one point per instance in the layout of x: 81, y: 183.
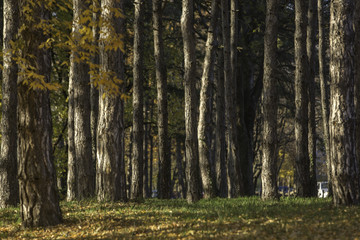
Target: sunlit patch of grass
x: 242, y: 218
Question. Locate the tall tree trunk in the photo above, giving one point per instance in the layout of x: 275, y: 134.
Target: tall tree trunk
x: 191, y: 144
x: 9, y: 187
x: 161, y: 85
x: 344, y: 169
x: 233, y: 157
x: 109, y: 169
x: 357, y: 77
x: 138, y: 117
x: 221, y: 168
x: 311, y: 50
x: 81, y: 110
x: 179, y: 166
x: 270, y: 104
x: 204, y: 127
x: 324, y: 91
x: 39, y: 202
x: 94, y: 92
x: 302, y: 162
x: 146, y: 191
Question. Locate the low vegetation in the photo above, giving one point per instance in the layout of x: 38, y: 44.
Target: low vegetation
x: 242, y: 218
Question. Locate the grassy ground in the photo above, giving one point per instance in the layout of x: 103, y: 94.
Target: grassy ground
x: 243, y: 218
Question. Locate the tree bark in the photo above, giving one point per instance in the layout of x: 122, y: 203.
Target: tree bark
x: 9, y: 187
x: 161, y: 85
x: 233, y: 157
x: 357, y: 76
x: 344, y: 169
x: 191, y: 144
x: 302, y: 162
x: 324, y: 90
x: 270, y: 104
x: 311, y: 51
x: 204, y: 126
x: 138, y: 117
x: 220, y: 162
x: 39, y: 203
x: 110, y: 133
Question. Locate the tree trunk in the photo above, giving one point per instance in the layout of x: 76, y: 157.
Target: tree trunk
x: 146, y: 191
x: 357, y: 77
x: 179, y: 165
x: 270, y: 104
x: 344, y: 167
x: 221, y: 168
x: 302, y: 162
x: 109, y: 169
x: 9, y: 188
x: 161, y: 85
x: 204, y: 127
x: 138, y: 117
x: 94, y: 92
x: 311, y: 50
x: 80, y: 160
x: 229, y: 80
x: 191, y: 144
x: 39, y: 203
x: 324, y: 91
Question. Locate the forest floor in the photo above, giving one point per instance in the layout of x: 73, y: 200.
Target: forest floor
x: 242, y: 218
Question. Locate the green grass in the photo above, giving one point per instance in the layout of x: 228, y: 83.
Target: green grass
x: 242, y: 218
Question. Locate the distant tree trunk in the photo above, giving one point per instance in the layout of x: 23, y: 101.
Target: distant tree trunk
x: 221, y: 168
x: 311, y: 52
x: 204, y: 127
x: 270, y: 104
x: 109, y: 171
x: 138, y: 117
x: 191, y: 144
x: 94, y: 92
x: 39, y: 203
x: 344, y: 169
x: 146, y: 191
x: 302, y: 162
x: 9, y: 187
x: 161, y: 82
x: 229, y: 81
x: 179, y: 165
x: 324, y: 91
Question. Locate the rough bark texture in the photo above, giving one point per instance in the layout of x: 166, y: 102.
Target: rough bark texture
x: 270, y: 104
x: 204, y: 126
x: 161, y: 85
x: 232, y: 150
x: 82, y: 109
x: 138, y: 117
x: 39, y: 203
x: 191, y: 144
x: 311, y: 51
x: 9, y: 187
x: 357, y: 76
x: 302, y: 162
x: 110, y: 134
x: 324, y: 89
x: 344, y: 166
x: 220, y: 158
x: 94, y: 92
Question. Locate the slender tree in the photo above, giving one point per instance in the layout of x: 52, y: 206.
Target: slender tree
x: 311, y: 51
x: 138, y: 128
x: 191, y: 144
x: 232, y: 150
x: 302, y: 165
x: 270, y: 104
x: 357, y: 76
x: 344, y: 166
x: 109, y: 166
x: 9, y: 188
x: 324, y: 90
x: 204, y: 126
x: 161, y: 85
x: 39, y: 202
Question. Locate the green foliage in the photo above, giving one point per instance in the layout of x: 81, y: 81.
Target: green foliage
x: 242, y: 218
